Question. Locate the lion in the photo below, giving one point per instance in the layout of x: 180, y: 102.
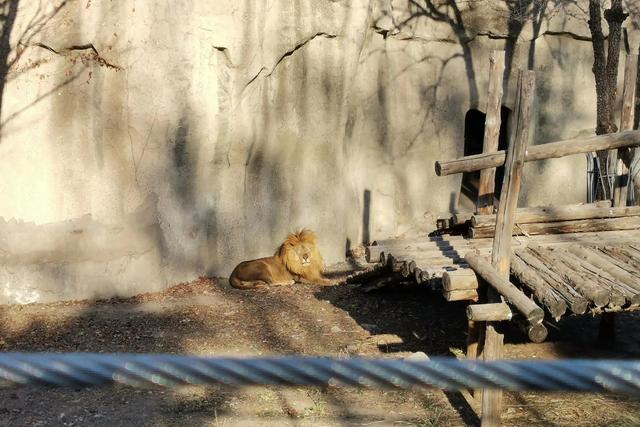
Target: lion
x: 296, y: 260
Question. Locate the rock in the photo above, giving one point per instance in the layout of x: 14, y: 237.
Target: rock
x: 418, y: 356
x: 297, y: 402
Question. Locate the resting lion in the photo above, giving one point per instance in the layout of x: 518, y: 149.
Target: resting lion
x: 297, y: 259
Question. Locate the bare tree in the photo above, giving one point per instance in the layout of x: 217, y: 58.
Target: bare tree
x: 605, y: 71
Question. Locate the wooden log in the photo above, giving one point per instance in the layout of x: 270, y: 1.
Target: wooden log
x: 443, y: 223
x: 408, y: 268
x: 599, y: 261
x: 543, y: 293
x: 531, y: 312
x: 460, y: 218
x: 430, y: 273
x: 549, y: 150
x: 634, y: 247
x: 372, y: 253
x: 461, y: 295
x: 404, y: 255
x: 489, y: 312
x: 601, y: 279
x: 442, y: 264
x: 417, y: 240
x: 486, y: 186
x: 576, y: 302
x: 559, y: 227
x: 583, y: 284
x: 626, y: 123
x: 586, y: 237
x: 426, y: 259
x: 536, y: 332
x: 619, y: 258
x: 619, y: 292
x: 459, y: 279
x: 601, y: 209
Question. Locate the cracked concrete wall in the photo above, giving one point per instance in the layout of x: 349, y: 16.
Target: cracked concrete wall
x: 218, y: 127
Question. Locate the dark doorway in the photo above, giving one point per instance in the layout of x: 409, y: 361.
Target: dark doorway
x: 474, y: 122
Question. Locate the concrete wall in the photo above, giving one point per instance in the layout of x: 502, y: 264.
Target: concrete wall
x: 205, y: 131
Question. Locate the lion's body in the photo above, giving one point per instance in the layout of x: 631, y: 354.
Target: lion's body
x: 297, y: 259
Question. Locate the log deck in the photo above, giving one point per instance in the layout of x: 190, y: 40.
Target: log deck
x: 565, y: 274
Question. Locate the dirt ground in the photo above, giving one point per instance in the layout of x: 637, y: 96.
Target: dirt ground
x: 207, y: 317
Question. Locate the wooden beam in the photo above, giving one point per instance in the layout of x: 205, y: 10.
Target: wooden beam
x: 560, y: 227
x: 626, y: 123
x: 601, y: 209
x: 486, y: 186
x: 549, y: 150
x: 489, y: 312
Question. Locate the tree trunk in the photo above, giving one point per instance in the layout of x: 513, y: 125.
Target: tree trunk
x: 605, y: 71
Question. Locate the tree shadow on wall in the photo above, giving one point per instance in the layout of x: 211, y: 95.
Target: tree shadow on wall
x: 11, y: 55
x: 9, y: 10
x: 460, y: 19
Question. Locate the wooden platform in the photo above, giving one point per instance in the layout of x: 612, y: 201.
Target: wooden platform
x: 565, y: 274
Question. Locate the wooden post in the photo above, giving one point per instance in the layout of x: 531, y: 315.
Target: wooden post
x: 501, y: 254
x: 514, y: 166
x: 492, y: 123
x: 626, y: 123
x: 607, y: 331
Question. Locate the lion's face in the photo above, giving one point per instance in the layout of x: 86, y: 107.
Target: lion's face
x: 304, y: 254
x: 301, y: 255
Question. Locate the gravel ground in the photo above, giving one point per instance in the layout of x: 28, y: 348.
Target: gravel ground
x: 207, y: 317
